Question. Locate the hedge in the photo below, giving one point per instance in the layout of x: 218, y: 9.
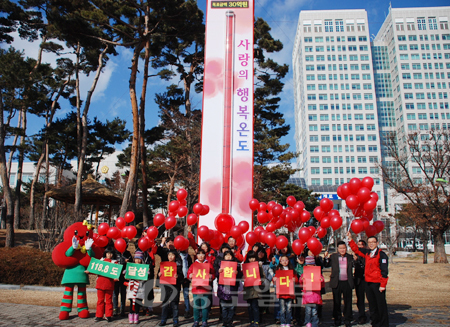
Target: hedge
x: 25, y: 265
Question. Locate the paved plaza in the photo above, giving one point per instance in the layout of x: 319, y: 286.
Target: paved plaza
x: 33, y: 315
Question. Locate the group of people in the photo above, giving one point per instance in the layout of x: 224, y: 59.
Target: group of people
x: 369, y: 279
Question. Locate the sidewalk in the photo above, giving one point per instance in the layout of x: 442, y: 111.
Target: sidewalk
x: 33, y: 315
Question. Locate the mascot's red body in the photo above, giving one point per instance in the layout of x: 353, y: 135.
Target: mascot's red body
x: 74, y: 254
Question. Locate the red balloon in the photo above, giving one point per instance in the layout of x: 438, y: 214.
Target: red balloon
x: 143, y: 244
x: 326, y: 222
x: 312, y: 230
x: 170, y: 222
x: 159, y: 219
x: 314, y: 245
x: 291, y: 200
x: 262, y: 206
x: 352, y: 201
x: 305, y: 216
x: 355, y: 185
x: 304, y: 234
x: 244, y: 225
x: 336, y: 222
x: 251, y: 238
x: 182, y: 211
x: 299, y: 205
x: 120, y: 245
x: 198, y: 208
x: 181, y: 194
x: 263, y: 217
x: 101, y: 241
x: 318, y: 213
x: 254, y: 204
x: 369, y: 216
x: 186, y: 244
x: 326, y: 204
x: 192, y: 219
x: 262, y: 236
x: 280, y: 223
x: 182, y: 202
x: 367, y: 182
x: 333, y: 212
x: 174, y: 205
x: 297, y: 247
x: 339, y: 192
x: 345, y: 190
x: 271, y: 227
x: 205, y: 210
x: 370, y: 205
x: 236, y: 231
x: 240, y: 241
x: 270, y: 205
x: 103, y: 229
x: 365, y: 222
x: 270, y: 239
x: 363, y: 194
x: 379, y: 225
x: 210, y: 236
x: 357, y: 226
x: 152, y: 232
x: 358, y: 212
x: 277, y: 210
x: 203, y: 232
x: 371, y: 230
x: 295, y: 215
x: 374, y: 195
x: 258, y: 230
x: 178, y: 242
x: 120, y: 222
x: 281, y: 242
x: 224, y: 222
x: 114, y: 233
x: 129, y: 216
x: 131, y: 232
x: 288, y: 218
x: 321, y: 232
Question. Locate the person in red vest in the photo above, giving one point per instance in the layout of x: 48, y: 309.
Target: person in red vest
x: 376, y: 276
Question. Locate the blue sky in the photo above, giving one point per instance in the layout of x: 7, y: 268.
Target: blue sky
x: 112, y: 99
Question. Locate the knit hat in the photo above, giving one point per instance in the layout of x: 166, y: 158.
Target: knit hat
x: 139, y: 255
x: 309, y: 260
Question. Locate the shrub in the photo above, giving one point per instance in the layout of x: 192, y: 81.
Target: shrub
x: 25, y: 265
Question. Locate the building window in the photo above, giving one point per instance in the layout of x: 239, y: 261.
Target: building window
x: 328, y: 26
x: 339, y: 25
x: 432, y: 23
x: 421, y: 24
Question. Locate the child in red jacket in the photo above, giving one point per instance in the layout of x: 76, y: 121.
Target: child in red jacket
x: 105, y: 290
x: 285, y: 300
x: 311, y: 299
x: 202, y: 294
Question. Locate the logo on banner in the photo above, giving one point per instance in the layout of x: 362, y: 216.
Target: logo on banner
x: 229, y: 4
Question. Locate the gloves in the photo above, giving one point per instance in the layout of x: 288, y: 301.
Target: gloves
x: 88, y: 243
x: 75, y: 243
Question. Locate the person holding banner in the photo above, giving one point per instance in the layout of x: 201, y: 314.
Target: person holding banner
x: 376, y: 276
x: 341, y: 283
x: 230, y: 273
x: 170, y: 293
x: 202, y: 293
x: 135, y: 291
x: 253, y: 273
x: 105, y: 289
x: 285, y: 280
x: 312, y: 296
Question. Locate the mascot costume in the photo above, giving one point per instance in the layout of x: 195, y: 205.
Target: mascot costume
x: 74, y: 254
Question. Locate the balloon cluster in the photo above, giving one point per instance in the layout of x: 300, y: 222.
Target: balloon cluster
x: 117, y: 233
x: 362, y: 201
x: 225, y: 224
x: 276, y: 217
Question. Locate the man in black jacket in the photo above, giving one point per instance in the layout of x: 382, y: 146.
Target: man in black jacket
x: 360, y: 283
x: 341, y: 282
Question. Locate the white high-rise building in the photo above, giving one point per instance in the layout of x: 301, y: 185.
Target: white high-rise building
x: 337, y: 127
x: 412, y: 64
